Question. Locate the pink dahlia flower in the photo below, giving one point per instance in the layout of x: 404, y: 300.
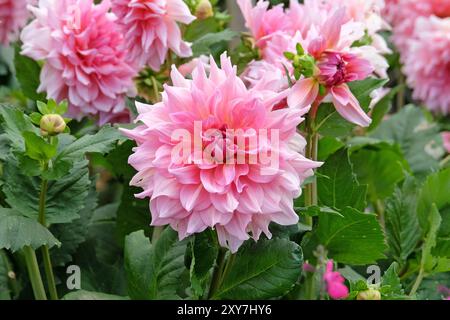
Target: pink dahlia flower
x: 335, y: 67
x: 446, y: 140
x: 150, y: 29
x: 335, y: 283
x: 13, y: 16
x: 427, y: 63
x: 196, y: 170
x: 262, y: 21
x: 84, y: 54
x: 402, y: 14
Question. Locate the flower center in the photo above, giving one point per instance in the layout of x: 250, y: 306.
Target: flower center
x: 333, y: 69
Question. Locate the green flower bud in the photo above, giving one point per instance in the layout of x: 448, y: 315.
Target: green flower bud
x: 370, y: 294
x: 204, y: 10
x: 52, y: 124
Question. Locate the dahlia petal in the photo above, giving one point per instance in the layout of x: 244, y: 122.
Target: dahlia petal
x: 348, y: 107
x: 303, y: 93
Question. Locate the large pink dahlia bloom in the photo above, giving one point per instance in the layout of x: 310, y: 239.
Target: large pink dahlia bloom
x: 208, y: 184
x: 13, y: 16
x: 85, y: 58
x: 150, y: 28
x: 427, y: 63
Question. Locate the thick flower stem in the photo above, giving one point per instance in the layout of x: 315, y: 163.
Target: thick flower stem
x: 45, y: 250
x: 311, y: 153
x: 217, y: 273
x: 34, y: 273
x: 417, y: 282
x: 157, y: 231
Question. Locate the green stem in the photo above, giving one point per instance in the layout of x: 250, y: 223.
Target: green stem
x: 418, y: 281
x: 401, y: 91
x: 217, y: 273
x: 49, y: 273
x: 157, y: 231
x: 227, y: 267
x: 311, y: 153
x: 34, y: 273
x: 310, y: 289
x: 379, y: 207
x: 155, y: 88
x: 45, y: 250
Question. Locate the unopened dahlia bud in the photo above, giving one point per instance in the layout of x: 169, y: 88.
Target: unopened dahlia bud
x: 370, y: 294
x: 204, y: 10
x: 52, y: 124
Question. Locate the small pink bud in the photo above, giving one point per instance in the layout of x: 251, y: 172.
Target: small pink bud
x: 335, y: 282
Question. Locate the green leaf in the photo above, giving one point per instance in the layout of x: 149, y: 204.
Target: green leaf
x: 380, y: 166
x: 138, y: 258
x: 37, y: 148
x: 328, y: 146
x: 382, y: 108
x: 435, y: 191
x: 42, y: 107
x: 331, y: 123
x: 418, y: 138
x: 262, y: 270
x: 102, y: 229
x: 153, y: 272
x: 28, y: 166
x: 442, y: 248
x: 100, y: 142
x: 14, y: 123
x: 199, y: 28
x: 352, y: 237
x: 204, y: 254
x: 73, y: 234
x: 5, y: 291
x: 337, y: 185
x: 203, y: 44
x: 89, y: 295
x: 27, y: 73
x: 65, y: 197
x: 363, y: 88
x: 391, y: 286
x: 17, y: 231
x: 402, y: 226
x: 132, y: 214
x: 428, y: 261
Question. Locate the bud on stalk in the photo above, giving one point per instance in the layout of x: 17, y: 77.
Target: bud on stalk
x: 204, y: 10
x: 370, y: 294
x: 52, y: 124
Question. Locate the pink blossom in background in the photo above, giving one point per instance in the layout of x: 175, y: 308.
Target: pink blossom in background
x: 402, y: 14
x: 187, y: 68
x: 446, y: 140
x: 334, y: 283
x: 262, y: 21
x: 151, y: 30
x: 334, y: 69
x: 235, y: 199
x: 327, y: 30
x: 13, y: 16
x: 427, y: 63
x: 85, y: 57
